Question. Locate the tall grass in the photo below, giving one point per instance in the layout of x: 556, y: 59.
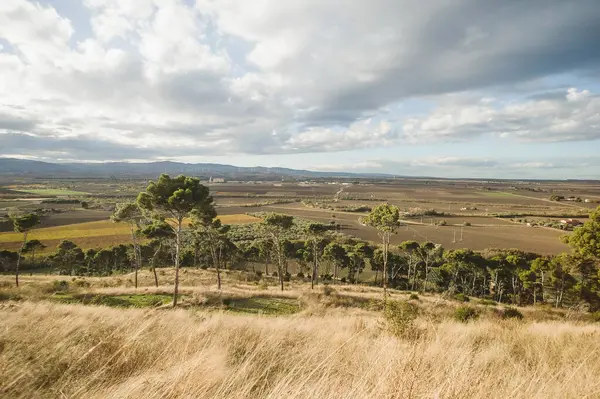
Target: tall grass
x: 51, y: 350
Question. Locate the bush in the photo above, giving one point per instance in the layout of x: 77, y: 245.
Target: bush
x: 263, y: 285
x: 466, y: 224
x: 462, y: 297
x: 258, y: 273
x: 465, y: 314
x: 399, y: 317
x: 80, y: 283
x: 512, y: 313
x: 414, y: 297
x: 287, y: 277
x: 60, y: 286
x: 596, y: 316
x: 328, y: 290
x: 442, y: 223
x: 300, y: 275
x: 487, y: 302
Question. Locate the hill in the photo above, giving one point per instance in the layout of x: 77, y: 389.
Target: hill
x: 23, y: 167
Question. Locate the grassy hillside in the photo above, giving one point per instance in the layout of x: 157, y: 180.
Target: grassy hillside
x: 328, y: 343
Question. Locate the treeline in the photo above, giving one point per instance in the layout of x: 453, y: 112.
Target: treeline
x: 290, y: 248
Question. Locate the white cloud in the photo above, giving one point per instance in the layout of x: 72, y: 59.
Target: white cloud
x: 574, y: 117
x: 167, y: 77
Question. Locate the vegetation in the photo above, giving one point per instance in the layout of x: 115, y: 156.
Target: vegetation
x: 172, y: 201
x: 90, y: 318
x: 23, y: 224
x: 110, y: 348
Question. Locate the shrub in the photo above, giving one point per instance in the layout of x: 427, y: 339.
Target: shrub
x: 465, y: 314
x: 328, y: 290
x: 596, y: 316
x: 80, y: 283
x: 487, y: 302
x: 461, y: 297
x: 466, y: 224
x: 442, y: 223
x: 399, y: 317
x: 287, y: 277
x: 300, y: 275
x: 259, y: 273
x: 249, y: 277
x: 512, y: 313
x: 60, y: 286
x: 262, y: 285
x: 414, y: 297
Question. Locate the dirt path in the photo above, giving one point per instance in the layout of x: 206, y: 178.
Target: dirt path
x: 550, y: 201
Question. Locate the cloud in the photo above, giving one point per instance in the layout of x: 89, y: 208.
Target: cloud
x: 178, y: 77
x: 559, y: 167
x: 573, y: 117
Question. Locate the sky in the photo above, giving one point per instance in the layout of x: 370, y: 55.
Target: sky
x: 448, y: 88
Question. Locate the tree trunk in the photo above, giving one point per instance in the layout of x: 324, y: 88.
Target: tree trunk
x: 315, y: 272
x: 386, y: 242
x: 154, y: 263
x: 19, y: 258
x: 217, y: 262
x: 177, y: 249
x: 266, y: 264
x: 542, y: 288
x: 280, y: 265
x: 218, y: 278
x: 335, y: 270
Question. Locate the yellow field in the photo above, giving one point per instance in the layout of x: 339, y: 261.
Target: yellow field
x: 93, y: 234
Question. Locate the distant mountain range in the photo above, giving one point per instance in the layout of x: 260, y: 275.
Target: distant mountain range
x: 23, y: 167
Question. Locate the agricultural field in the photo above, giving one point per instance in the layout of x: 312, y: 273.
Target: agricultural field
x: 475, y: 214
x: 98, y: 234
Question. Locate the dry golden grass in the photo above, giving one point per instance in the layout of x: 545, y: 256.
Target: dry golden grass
x: 50, y: 350
x: 336, y: 347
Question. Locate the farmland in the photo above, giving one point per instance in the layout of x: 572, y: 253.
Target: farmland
x: 474, y: 214
x: 92, y: 234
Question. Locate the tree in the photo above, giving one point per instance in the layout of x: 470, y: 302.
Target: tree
x: 172, y: 200
x: 158, y: 231
x: 386, y: 219
x: 336, y: 254
x: 31, y: 247
x: 264, y: 250
x: 275, y: 226
x: 131, y: 213
x: 560, y: 279
x: 6, y: 258
x: 429, y: 253
x: 357, y: 255
x: 585, y: 239
x: 68, y: 257
x: 314, y: 233
x: 213, y: 235
x: 539, y: 267
x: 411, y: 250
x: 23, y: 224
